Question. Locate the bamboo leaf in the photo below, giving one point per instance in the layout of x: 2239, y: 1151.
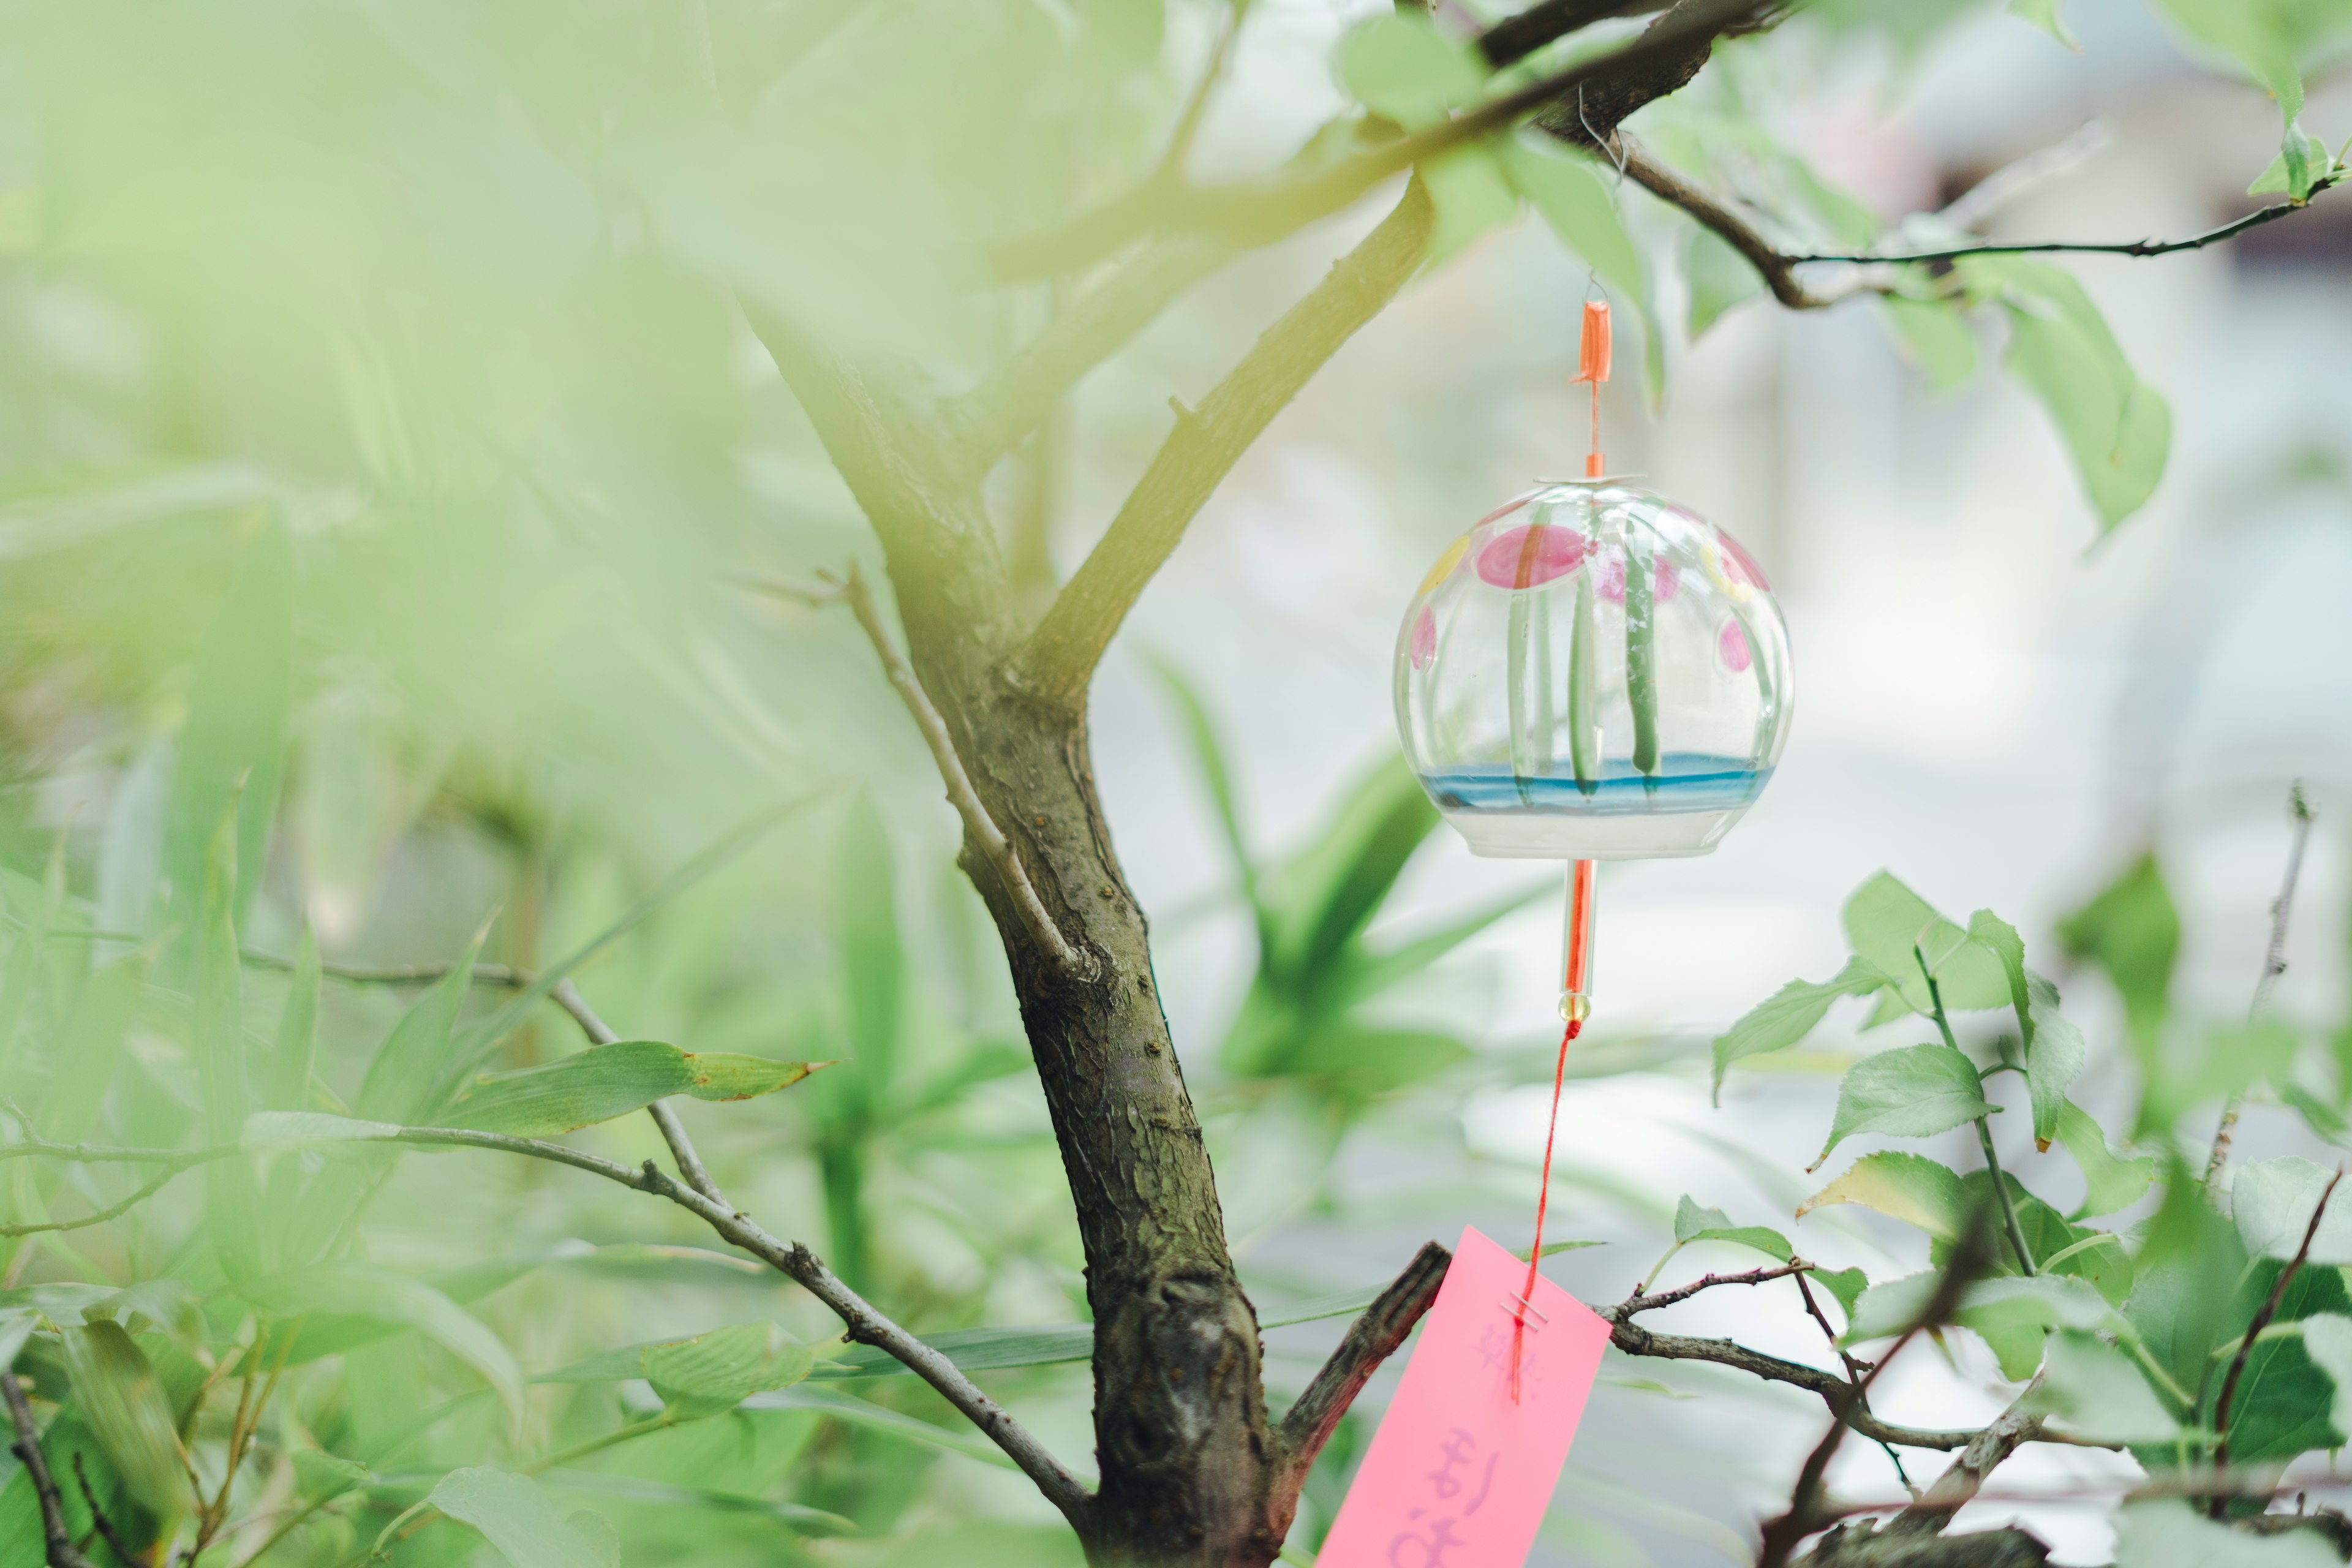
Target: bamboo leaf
x: 607, y: 1082
x: 402, y: 1081
x: 286, y: 1083
x: 353, y: 1290
x: 118, y: 1393
x: 232, y: 1203
x: 711, y: 1374
x: 518, y: 1519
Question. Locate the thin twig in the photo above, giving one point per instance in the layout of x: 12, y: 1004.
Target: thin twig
x: 564, y: 994
x: 1518, y: 36
x: 827, y: 591
x: 979, y: 827
x: 1196, y: 106
x: 1206, y: 443
x: 863, y: 1323
x: 567, y: 996
x: 2139, y: 247
x: 2254, y: 1332
x: 2273, y: 965
x: 2014, y: 178
x: 155, y: 1184
x: 1833, y: 1391
x: 2015, y: 1231
x: 98, y: 1516
x: 1370, y: 1339
x: 56, y: 1541
x: 1803, y: 1516
x: 1641, y: 1301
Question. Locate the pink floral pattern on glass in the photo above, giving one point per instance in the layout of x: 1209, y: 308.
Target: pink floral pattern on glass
x: 1665, y: 582
x: 1530, y: 556
x: 1424, y: 639
x: 1731, y: 647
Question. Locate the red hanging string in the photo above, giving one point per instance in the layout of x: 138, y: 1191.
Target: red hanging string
x: 1543, y: 1202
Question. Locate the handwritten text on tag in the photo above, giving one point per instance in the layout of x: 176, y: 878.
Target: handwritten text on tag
x: 1458, y: 1475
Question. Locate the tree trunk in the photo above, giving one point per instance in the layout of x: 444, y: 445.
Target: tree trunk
x: 1187, y: 1462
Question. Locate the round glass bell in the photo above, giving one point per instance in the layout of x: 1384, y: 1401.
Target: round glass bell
x: 1593, y: 673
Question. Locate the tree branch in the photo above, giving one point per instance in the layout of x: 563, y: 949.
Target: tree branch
x: 2273, y: 965
x: 567, y: 996
x: 864, y: 1324
x: 2140, y: 247
x: 1640, y: 1302
x: 1777, y: 269
x: 1016, y: 397
x: 979, y: 828
x: 1514, y: 38
x: 98, y: 1516
x: 56, y: 1541
x: 2262, y: 1319
x: 1207, y: 442
x: 1964, y: 1477
x: 1840, y: 1395
x: 1256, y: 212
x: 1370, y: 1339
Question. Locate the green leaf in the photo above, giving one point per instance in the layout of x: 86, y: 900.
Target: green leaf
x: 266, y: 1132
x: 974, y: 1349
x: 1846, y: 1284
x: 232, y: 1204
x: 1693, y: 1223
x: 1322, y: 899
x: 322, y: 1476
x: 2328, y: 1341
x: 231, y: 748
x: 2285, y: 1406
x: 2225, y: 1061
x: 1884, y: 920
x: 95, y: 1035
x: 2094, y: 1391
x: 873, y: 960
x: 2132, y: 932
x: 1917, y: 1091
x: 118, y: 1393
x: 2054, y: 1059
x: 1399, y: 66
x: 286, y: 1081
x: 1472, y: 195
x: 1910, y: 1187
x: 1361, y: 1061
x: 2012, y: 1314
x: 1790, y: 1013
x: 2263, y: 36
x: 2109, y: 1182
x: 711, y: 1374
x: 354, y: 1290
x: 1935, y: 333
x: 607, y: 1082
x: 2303, y: 158
x: 1719, y: 278
x: 889, y: 1423
x: 1570, y: 193
x: 402, y: 1081
x: 520, y: 1520
x: 1209, y: 755
x: 2273, y: 1201
x: 2117, y: 428
x: 2043, y: 14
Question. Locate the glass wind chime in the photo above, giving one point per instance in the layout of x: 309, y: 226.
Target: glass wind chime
x: 1591, y: 673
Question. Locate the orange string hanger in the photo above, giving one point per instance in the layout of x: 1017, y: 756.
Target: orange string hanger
x: 1575, y: 1006
x: 1592, y: 367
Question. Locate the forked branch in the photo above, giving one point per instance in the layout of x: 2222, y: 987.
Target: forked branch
x: 1370, y: 1339
x: 981, y: 831
x: 1061, y: 656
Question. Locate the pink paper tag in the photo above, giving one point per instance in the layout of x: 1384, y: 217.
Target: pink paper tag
x: 1458, y: 1475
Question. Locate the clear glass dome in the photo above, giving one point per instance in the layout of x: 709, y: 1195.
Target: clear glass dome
x: 1593, y: 673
